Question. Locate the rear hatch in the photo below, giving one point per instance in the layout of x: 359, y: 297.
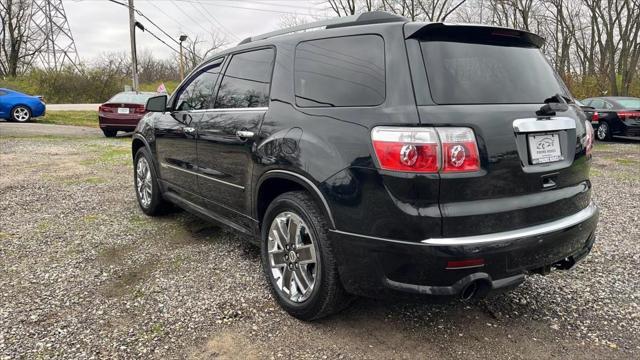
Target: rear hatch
x: 534, y: 166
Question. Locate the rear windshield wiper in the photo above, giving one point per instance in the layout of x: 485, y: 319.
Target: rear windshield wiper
x: 554, y: 104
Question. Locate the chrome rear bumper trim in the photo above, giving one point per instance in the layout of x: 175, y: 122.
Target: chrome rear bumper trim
x: 541, y: 229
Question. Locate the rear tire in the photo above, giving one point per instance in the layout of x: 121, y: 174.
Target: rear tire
x: 109, y: 132
x: 325, y: 294
x: 21, y: 114
x: 603, y: 133
x: 146, y: 185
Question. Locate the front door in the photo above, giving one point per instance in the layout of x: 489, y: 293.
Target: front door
x: 227, y: 133
x: 176, y: 132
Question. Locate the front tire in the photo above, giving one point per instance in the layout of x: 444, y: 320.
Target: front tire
x: 146, y: 185
x: 603, y: 133
x: 298, y: 260
x: 20, y: 114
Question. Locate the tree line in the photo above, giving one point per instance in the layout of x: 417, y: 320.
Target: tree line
x: 593, y: 44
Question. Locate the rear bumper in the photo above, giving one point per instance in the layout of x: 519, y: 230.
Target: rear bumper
x: 121, y: 122
x: 384, y: 267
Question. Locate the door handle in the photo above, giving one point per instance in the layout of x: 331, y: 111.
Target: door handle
x: 244, y: 134
x: 188, y: 130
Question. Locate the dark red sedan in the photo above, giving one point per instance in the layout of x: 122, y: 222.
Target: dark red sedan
x: 123, y: 111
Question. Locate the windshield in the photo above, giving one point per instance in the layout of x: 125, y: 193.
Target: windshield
x: 629, y: 103
x: 476, y: 73
x: 131, y: 98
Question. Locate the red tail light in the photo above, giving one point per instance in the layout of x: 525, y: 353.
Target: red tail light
x: 595, y: 117
x: 623, y: 115
x: 459, y: 150
x: 406, y: 149
x: 426, y: 150
x: 139, y: 110
x: 105, y: 109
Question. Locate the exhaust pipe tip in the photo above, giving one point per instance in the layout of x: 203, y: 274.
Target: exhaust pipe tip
x: 475, y: 289
x: 469, y: 291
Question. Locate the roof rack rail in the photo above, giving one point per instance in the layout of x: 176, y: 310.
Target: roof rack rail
x: 372, y: 17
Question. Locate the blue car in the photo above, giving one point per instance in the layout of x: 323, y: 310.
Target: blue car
x: 16, y: 106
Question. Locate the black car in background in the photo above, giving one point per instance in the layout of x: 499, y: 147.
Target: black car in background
x: 357, y: 173
x: 614, y: 116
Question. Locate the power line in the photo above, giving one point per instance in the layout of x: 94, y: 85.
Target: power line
x: 159, y: 28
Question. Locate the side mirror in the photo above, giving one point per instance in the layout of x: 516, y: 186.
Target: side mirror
x: 157, y: 104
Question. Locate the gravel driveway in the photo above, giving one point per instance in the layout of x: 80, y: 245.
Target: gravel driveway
x: 83, y: 273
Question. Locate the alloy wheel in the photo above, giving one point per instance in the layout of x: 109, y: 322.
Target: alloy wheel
x: 21, y: 114
x: 603, y: 129
x: 143, y: 182
x: 292, y: 257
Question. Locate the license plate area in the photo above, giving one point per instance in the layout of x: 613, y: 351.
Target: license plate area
x: 544, y: 148
x: 123, y: 110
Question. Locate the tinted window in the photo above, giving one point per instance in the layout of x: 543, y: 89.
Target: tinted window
x: 198, y: 95
x: 246, y: 82
x: 475, y: 73
x: 345, y: 71
x: 629, y: 103
x: 598, y: 104
x: 131, y: 98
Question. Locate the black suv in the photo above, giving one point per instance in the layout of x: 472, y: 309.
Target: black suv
x: 376, y: 156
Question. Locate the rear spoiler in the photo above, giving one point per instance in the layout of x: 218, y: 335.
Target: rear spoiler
x: 475, y: 33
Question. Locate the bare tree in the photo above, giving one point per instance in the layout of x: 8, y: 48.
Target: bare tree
x: 197, y: 49
x: 18, y: 44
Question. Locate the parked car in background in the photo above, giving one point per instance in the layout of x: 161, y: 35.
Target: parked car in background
x: 613, y: 116
x: 16, y: 106
x: 378, y: 157
x: 123, y: 111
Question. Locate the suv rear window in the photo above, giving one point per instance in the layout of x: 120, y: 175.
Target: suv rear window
x: 342, y: 71
x: 476, y: 73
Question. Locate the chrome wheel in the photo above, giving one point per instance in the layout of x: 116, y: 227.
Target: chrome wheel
x: 603, y: 130
x: 292, y: 256
x: 143, y: 182
x: 21, y: 114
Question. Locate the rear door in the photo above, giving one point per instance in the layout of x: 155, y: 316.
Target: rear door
x: 226, y: 133
x: 176, y: 131
x: 533, y: 165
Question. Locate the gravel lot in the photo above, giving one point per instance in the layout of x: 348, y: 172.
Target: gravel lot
x: 84, y: 274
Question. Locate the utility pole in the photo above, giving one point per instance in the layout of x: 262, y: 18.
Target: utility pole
x: 182, y: 38
x: 134, y: 57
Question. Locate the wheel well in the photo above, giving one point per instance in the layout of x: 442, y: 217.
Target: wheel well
x: 135, y: 145
x: 271, y: 189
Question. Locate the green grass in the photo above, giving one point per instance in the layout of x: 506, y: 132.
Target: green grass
x: 626, y: 161
x: 75, y: 118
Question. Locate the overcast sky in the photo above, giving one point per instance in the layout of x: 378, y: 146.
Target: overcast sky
x: 100, y: 26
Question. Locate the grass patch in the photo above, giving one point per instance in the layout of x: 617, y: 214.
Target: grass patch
x: 43, y: 226
x: 109, y: 154
x: 93, y: 180
x: 626, y: 161
x: 114, y: 155
x: 90, y: 218
x: 595, y: 172
x: 75, y: 118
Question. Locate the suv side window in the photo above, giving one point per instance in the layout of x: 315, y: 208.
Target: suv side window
x: 247, y: 81
x: 341, y: 71
x: 198, y: 94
